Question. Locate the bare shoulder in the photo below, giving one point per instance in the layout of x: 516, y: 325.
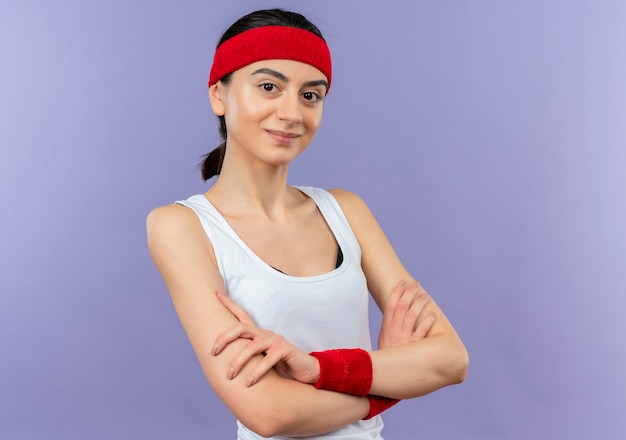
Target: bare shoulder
x: 345, y: 196
x: 170, y: 218
x: 349, y: 201
x: 355, y: 209
x: 171, y: 222
x: 176, y: 234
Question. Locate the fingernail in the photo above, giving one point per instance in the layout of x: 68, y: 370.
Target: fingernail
x: 401, y: 283
x: 231, y: 373
x: 216, y: 348
x: 250, y: 381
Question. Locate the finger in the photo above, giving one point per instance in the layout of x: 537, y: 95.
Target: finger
x: 405, y: 302
x: 239, y: 330
x: 420, y: 303
x: 392, y: 301
x: 397, y: 304
x: 272, y: 357
x: 412, y: 316
x: 233, y: 308
x: 251, y: 349
x: 424, y: 326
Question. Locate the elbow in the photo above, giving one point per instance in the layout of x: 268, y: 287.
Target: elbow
x: 268, y: 419
x: 453, y: 365
x: 459, y: 365
x: 263, y: 424
x: 264, y: 428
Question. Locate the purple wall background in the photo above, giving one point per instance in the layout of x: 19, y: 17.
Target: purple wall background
x: 489, y: 138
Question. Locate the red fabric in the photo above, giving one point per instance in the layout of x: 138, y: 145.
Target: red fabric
x: 271, y: 43
x: 378, y: 404
x: 345, y: 370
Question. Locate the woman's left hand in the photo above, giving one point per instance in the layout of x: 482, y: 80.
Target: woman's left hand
x: 287, y: 359
x: 404, y: 319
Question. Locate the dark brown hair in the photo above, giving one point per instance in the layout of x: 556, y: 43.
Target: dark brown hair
x: 211, y: 164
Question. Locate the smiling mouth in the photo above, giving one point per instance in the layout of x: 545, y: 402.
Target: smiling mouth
x: 283, y: 137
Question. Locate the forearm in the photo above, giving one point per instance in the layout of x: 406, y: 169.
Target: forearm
x: 276, y: 406
x: 301, y: 410
x: 418, y: 368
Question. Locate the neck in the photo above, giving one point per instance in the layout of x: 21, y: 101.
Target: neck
x: 250, y: 187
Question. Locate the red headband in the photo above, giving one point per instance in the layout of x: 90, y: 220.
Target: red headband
x: 270, y: 43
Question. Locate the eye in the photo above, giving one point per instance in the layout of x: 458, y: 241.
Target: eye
x: 312, y: 96
x: 268, y: 87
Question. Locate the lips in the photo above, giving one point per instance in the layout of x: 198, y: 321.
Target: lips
x: 283, y: 137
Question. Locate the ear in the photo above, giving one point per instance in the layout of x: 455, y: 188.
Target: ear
x: 216, y: 92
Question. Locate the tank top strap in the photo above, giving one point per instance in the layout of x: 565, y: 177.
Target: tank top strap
x: 336, y: 219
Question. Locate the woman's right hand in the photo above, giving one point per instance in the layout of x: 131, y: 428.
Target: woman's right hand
x: 402, y: 316
x: 287, y: 359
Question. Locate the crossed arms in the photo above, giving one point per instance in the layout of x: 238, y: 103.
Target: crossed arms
x: 417, y: 343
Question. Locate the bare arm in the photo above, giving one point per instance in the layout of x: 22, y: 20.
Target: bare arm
x: 419, y: 367
x: 419, y: 351
x: 275, y: 405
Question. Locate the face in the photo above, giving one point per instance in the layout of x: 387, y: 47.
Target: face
x: 272, y: 109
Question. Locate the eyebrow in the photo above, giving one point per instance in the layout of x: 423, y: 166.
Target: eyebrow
x: 283, y: 78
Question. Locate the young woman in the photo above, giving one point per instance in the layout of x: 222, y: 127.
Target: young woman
x: 271, y: 281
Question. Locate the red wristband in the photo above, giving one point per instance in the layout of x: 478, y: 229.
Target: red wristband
x: 345, y: 370
x: 378, y: 404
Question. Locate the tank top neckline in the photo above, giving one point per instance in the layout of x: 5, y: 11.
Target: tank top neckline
x: 325, y: 215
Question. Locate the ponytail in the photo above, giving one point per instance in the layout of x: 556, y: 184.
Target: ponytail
x: 211, y: 164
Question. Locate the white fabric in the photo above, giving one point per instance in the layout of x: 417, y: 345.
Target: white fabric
x: 314, y: 313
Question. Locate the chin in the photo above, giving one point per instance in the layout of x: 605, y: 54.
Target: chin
x: 284, y: 157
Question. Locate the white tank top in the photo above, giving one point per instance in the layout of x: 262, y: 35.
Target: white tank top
x: 314, y: 313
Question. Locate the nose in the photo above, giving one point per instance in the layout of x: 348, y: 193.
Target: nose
x: 289, y: 109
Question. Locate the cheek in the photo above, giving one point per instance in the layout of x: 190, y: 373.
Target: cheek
x: 315, y: 120
x: 244, y: 113
x: 248, y: 106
